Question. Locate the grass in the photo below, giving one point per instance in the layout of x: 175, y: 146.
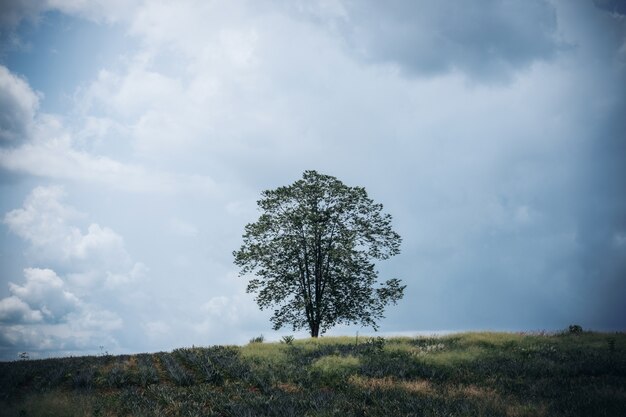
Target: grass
x: 470, y: 374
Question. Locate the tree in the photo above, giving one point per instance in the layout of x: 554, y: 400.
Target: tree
x: 311, y: 252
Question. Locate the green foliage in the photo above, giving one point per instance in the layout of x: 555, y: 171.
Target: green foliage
x: 473, y: 374
x: 287, y: 339
x: 611, y: 342
x: 311, y: 251
x: 257, y: 339
x: 374, y: 344
x: 175, y: 370
x: 146, y: 373
x: 575, y: 329
x: 334, y: 369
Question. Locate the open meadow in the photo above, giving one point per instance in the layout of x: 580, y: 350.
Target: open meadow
x: 469, y: 374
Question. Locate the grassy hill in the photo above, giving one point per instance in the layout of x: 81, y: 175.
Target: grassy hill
x: 471, y: 374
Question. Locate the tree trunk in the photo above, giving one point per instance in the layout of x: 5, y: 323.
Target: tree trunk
x: 315, y: 330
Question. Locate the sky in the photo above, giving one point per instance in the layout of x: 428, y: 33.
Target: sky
x: 136, y: 137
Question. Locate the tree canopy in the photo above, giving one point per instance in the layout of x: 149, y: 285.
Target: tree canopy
x: 312, y: 252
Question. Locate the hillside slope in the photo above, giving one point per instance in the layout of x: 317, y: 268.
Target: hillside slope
x: 470, y: 374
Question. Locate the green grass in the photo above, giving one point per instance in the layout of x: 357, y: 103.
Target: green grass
x: 469, y: 374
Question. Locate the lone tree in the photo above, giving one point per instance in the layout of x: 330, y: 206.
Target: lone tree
x: 311, y: 251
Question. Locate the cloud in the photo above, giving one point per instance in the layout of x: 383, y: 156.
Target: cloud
x: 156, y: 329
x: 46, y: 223
x: 613, y: 6
x: 82, y: 333
x: 485, y: 138
x: 182, y: 228
x: 50, y: 313
x: 12, y: 12
x: 42, y: 146
x: 486, y: 40
x: 15, y: 310
x: 45, y: 292
x: 119, y: 280
x: 236, y: 311
x: 43, y: 297
x: 18, y: 106
x: 57, y: 159
x: 94, y: 256
x: 96, y: 10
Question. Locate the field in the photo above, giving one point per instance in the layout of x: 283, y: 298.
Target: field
x: 470, y: 374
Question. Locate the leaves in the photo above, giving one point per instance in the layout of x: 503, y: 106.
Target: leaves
x: 311, y: 252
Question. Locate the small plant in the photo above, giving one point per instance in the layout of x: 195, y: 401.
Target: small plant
x: 575, y: 329
x: 147, y: 374
x: 334, y: 370
x: 117, y: 376
x: 178, y: 374
x: 24, y: 356
x: 375, y: 344
x: 258, y: 339
x: 288, y: 340
x: 611, y: 342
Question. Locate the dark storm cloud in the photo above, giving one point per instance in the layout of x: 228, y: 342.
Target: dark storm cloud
x: 487, y: 40
x: 601, y: 205
x: 602, y: 222
x: 12, y: 13
x: 613, y: 6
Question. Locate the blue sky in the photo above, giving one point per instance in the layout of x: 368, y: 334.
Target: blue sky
x: 136, y: 137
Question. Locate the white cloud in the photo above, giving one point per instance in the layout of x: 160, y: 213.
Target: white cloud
x: 61, y: 339
x: 18, y: 106
x: 45, y: 291
x: 95, y: 319
x: 228, y: 312
x: 46, y: 223
x: 119, y: 280
x: 71, y: 313
x: 45, y: 147
x: 58, y: 160
x: 129, y: 96
x: 156, y: 329
x: 43, y: 314
x: 94, y: 257
x: 182, y: 228
x: 14, y: 310
x: 43, y: 297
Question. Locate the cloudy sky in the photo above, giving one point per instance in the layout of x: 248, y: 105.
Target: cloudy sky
x: 136, y: 137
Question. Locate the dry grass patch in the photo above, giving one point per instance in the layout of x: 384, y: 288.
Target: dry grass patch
x: 421, y: 386
x: 52, y: 404
x: 488, y: 397
x: 289, y: 387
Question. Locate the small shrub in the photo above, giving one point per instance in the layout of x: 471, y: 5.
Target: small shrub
x: 575, y: 329
x: 146, y: 373
x: 288, y: 340
x: 375, y: 345
x: 258, y: 339
x: 611, y: 342
x: 177, y: 373
x: 334, y: 369
x: 116, y: 377
x: 83, y: 379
